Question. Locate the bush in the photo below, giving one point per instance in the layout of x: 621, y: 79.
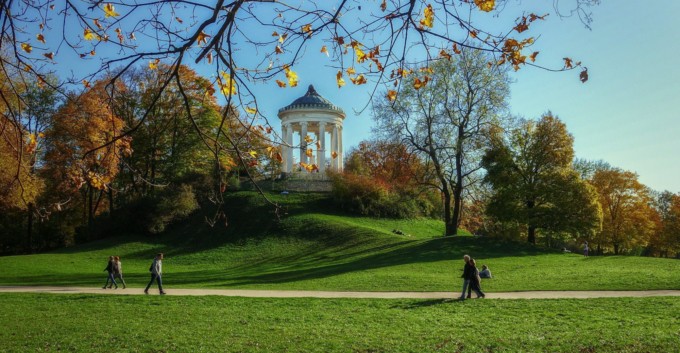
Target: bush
x: 173, y: 205
x: 363, y: 195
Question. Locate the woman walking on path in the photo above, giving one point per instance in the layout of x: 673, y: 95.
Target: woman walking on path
x: 109, y: 269
x: 475, y: 280
x: 118, y: 270
x: 156, y: 270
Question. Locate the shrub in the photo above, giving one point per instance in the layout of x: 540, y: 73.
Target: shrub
x: 365, y: 196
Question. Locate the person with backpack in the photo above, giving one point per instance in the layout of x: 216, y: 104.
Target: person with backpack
x: 156, y: 270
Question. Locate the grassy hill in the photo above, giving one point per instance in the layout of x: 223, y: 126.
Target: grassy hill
x: 314, y: 247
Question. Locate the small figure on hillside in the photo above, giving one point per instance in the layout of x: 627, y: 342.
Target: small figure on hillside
x: 485, y: 272
x: 118, y: 270
x: 467, y: 271
x: 156, y: 270
x: 110, y: 278
x: 585, y: 249
x: 475, y: 280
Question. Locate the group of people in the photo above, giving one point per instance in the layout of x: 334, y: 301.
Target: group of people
x: 115, y: 271
x: 472, y: 278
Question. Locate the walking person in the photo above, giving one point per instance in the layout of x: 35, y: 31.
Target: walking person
x: 585, y: 249
x: 475, y: 280
x: 156, y: 270
x: 118, y: 270
x: 110, y: 278
x: 467, y: 270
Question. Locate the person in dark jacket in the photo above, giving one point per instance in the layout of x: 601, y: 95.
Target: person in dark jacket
x: 467, y: 270
x: 110, y: 269
x: 475, y: 284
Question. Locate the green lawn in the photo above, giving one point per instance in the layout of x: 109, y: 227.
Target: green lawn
x: 315, y: 248
x: 91, y: 323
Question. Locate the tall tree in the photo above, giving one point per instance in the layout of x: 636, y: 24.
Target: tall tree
x: 446, y: 117
x: 626, y: 204
x: 74, y: 159
x: 667, y: 238
x: 534, y: 182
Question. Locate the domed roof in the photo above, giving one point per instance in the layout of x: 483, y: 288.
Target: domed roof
x: 311, y: 100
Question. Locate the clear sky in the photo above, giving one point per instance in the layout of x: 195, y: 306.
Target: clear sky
x: 627, y: 114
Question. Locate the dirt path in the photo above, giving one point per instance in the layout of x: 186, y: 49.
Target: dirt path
x: 324, y: 294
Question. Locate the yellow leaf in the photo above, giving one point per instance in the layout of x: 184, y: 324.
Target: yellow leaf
x: 89, y: 35
x: 307, y: 28
x: 318, y: 144
x: 444, y: 54
x: 96, y: 23
x: 391, y: 95
x: 49, y: 56
x: 455, y: 49
x: 351, y: 71
x: 282, y: 38
x: 153, y: 64
x: 279, y: 157
x: 132, y: 36
x: 418, y: 84
x: 278, y: 50
x: 210, y: 57
x: 567, y: 63
x: 361, y: 56
x: 485, y: 5
x: 86, y: 83
x: 110, y: 11
x: 309, y: 153
x: 40, y: 38
x: 26, y: 47
x: 228, y: 87
x: 383, y: 5
x: 253, y: 154
x: 202, y: 38
x: 359, y: 80
x: 280, y: 83
x: 334, y: 154
x: 428, y: 17
x: 324, y: 50
x: 339, y: 79
x: 92, y: 53
x: 250, y: 110
x: 308, y: 139
x: 291, y: 76
x: 28, y: 68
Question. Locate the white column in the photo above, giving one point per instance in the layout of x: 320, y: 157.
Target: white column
x: 303, y: 143
x: 334, y: 147
x: 289, y: 148
x: 322, y: 151
x: 284, y: 147
x: 341, y: 162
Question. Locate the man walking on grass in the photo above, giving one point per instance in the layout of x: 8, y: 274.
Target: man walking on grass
x: 156, y: 270
x: 467, y: 271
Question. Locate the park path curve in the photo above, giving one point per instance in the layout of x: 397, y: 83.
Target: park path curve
x: 332, y: 294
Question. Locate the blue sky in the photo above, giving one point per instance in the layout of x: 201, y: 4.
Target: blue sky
x: 627, y: 114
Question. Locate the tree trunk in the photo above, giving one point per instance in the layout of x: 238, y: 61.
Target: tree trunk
x: 448, y: 221
x: 616, y: 249
x: 29, y: 228
x: 531, y: 237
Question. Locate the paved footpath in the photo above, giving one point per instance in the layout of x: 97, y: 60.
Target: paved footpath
x: 325, y: 294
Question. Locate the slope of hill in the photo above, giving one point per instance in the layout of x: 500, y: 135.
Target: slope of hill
x: 316, y: 248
